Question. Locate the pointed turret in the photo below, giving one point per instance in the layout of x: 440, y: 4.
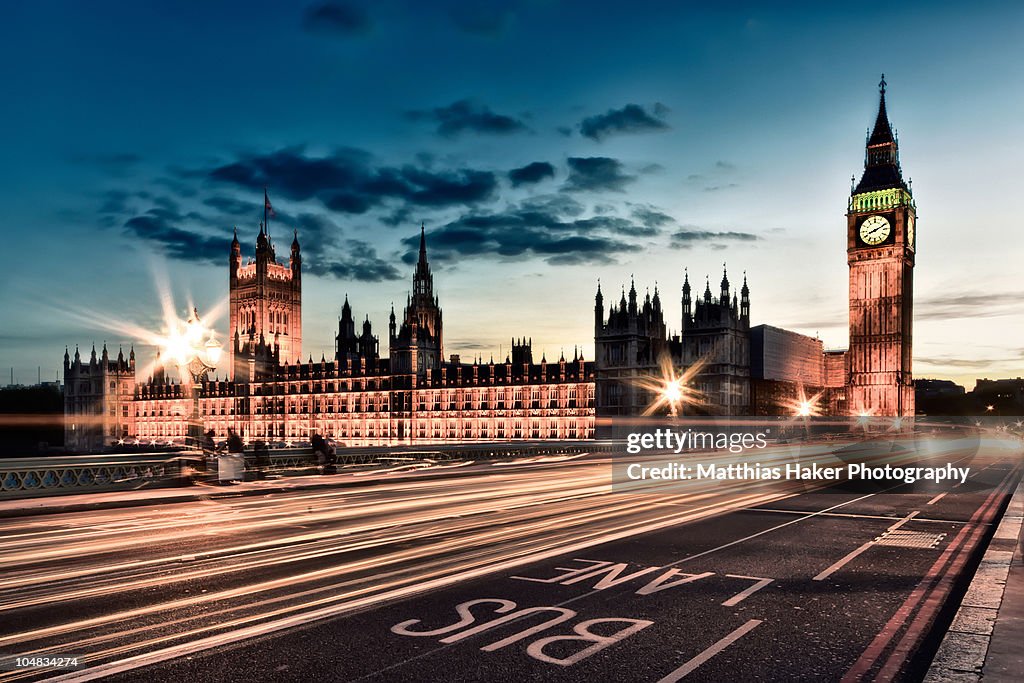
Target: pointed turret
x: 881, y: 158
x: 745, y: 299
x: 422, y: 280
x: 598, y: 308
x: 295, y: 261
x: 262, y: 241
x: 687, y: 301
x: 724, y: 294
x: 632, y: 296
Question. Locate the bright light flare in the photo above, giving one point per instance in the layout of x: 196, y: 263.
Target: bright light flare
x: 672, y: 389
x: 183, y: 340
x: 804, y: 405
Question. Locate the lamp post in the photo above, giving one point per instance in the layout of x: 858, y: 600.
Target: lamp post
x: 201, y: 358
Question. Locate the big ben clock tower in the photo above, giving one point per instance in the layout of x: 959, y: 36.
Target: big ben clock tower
x: 880, y: 247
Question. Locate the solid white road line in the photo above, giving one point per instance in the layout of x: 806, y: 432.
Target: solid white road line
x: 690, y: 666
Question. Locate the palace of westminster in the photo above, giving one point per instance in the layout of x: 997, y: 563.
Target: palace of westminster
x: 415, y: 395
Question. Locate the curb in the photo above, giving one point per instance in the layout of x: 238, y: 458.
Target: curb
x: 965, y: 654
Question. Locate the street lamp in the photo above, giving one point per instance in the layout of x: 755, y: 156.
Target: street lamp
x: 673, y: 395
x: 198, y: 358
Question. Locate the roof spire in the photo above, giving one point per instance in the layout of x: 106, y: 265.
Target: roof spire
x: 882, y: 132
x: 881, y: 162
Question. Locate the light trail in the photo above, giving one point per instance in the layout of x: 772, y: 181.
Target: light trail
x: 126, y: 587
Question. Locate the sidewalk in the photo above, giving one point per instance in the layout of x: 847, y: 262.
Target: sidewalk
x: 986, y: 639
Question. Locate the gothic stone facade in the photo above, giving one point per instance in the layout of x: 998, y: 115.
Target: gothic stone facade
x: 357, y: 398
x: 632, y: 343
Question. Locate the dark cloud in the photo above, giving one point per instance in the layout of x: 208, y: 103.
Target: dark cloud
x: 347, y: 181
x: 466, y: 116
x: 336, y: 18
x: 165, y: 228
x: 648, y: 215
x: 357, y: 260
x: 558, y: 205
x: 549, y: 228
x: 596, y: 174
x: 316, y: 231
x: 324, y: 253
x: 632, y: 118
x: 690, y: 236
x: 235, y: 207
x: 531, y: 173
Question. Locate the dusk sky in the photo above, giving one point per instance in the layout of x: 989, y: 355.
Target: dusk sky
x: 544, y: 145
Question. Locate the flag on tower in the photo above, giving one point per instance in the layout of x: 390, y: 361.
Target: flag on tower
x: 266, y: 204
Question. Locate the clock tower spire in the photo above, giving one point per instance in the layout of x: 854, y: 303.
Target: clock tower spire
x: 880, y: 251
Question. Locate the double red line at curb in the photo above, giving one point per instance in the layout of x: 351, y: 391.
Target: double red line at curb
x: 929, y: 594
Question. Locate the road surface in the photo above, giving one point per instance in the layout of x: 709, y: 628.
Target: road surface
x: 500, y: 571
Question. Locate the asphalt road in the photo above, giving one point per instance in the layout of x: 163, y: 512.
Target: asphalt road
x: 505, y: 572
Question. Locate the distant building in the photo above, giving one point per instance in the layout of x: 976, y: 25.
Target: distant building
x: 786, y: 356
x: 836, y: 383
x: 357, y: 398
x: 265, y: 298
x: 928, y: 389
x: 99, y: 399
x: 632, y: 344
x: 1005, y: 396
x: 786, y: 369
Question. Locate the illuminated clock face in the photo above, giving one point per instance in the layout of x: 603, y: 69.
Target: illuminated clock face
x: 910, y: 230
x: 874, y: 230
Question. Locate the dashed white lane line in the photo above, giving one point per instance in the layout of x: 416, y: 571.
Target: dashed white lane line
x: 739, y: 597
x: 839, y: 565
x: 936, y: 499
